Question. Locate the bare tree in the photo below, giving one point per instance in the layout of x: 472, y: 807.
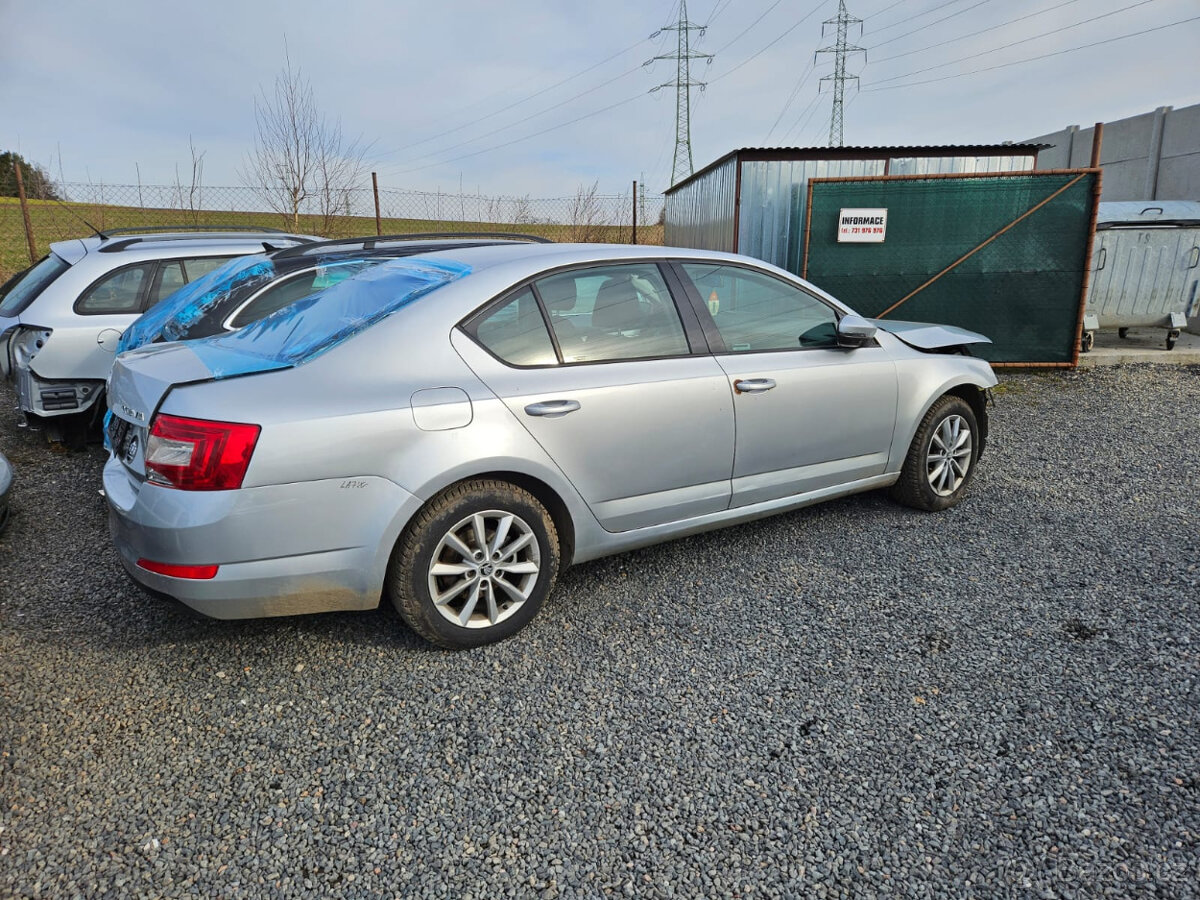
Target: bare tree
x: 587, y: 215
x: 300, y: 156
x: 194, y: 200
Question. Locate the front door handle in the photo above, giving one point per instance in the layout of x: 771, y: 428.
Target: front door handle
x: 552, y: 409
x: 753, y: 385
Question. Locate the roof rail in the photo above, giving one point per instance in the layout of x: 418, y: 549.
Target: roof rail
x: 124, y: 243
x: 369, y: 242
x: 110, y: 232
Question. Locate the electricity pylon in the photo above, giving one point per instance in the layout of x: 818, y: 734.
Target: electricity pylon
x: 840, y: 51
x: 681, y: 164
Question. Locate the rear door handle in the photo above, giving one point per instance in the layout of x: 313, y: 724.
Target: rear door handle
x: 753, y: 385
x: 552, y: 409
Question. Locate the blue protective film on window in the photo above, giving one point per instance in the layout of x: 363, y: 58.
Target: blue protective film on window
x: 176, y: 313
x: 321, y: 321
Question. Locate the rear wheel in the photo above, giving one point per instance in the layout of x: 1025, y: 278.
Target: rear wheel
x: 475, y: 565
x: 941, y: 459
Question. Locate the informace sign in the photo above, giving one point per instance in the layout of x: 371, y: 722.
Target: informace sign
x: 862, y: 226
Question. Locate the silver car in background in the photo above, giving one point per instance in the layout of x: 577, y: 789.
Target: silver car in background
x: 61, y: 320
x: 449, y: 430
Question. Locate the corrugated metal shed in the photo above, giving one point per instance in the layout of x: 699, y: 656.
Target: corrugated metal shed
x: 752, y: 200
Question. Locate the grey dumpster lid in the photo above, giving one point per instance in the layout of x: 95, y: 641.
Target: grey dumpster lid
x: 1134, y: 213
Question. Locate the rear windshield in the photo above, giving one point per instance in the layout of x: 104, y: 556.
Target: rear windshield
x: 309, y: 327
x: 19, y: 292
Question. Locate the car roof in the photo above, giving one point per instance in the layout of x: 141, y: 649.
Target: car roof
x: 152, y: 245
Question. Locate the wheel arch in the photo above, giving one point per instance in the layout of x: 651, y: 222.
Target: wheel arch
x: 560, y: 514
x: 977, y: 398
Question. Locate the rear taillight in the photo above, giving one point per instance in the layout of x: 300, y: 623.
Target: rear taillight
x: 197, y: 454
x: 197, y: 573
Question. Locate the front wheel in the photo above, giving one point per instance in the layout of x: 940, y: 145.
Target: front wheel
x: 942, y: 457
x: 475, y: 564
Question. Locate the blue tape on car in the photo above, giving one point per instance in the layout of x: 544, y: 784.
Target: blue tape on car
x: 319, y: 322
x: 172, y: 317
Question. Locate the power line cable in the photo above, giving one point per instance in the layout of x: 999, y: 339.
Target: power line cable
x: 885, y: 9
x: 527, y: 137
x: 522, y: 121
x: 931, y: 24
x: 792, y: 96
x: 512, y: 105
x: 913, y: 18
x: 781, y: 36
x: 803, y: 119
x: 974, y: 33
x: 742, y: 33
x: 1017, y: 62
x: 1014, y: 43
x: 719, y: 7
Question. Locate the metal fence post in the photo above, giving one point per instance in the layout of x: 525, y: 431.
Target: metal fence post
x: 634, y: 236
x: 375, y: 186
x: 25, y: 213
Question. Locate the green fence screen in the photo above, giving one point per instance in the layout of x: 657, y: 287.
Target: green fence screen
x: 1024, y: 238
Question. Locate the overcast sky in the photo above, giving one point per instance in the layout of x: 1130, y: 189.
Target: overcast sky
x: 484, y: 93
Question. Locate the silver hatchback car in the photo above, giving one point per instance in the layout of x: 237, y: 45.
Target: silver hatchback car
x: 451, y: 429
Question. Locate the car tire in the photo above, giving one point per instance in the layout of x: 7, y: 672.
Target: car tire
x: 933, y: 477
x: 458, y: 594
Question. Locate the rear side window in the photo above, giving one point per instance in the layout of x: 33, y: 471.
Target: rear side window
x: 117, y: 292
x: 21, y: 290
x: 613, y: 313
x: 517, y: 333
x: 201, y: 266
x: 170, y: 279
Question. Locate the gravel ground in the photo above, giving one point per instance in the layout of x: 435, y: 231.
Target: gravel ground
x: 852, y: 700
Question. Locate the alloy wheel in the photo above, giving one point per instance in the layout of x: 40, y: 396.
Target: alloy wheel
x: 484, y: 569
x: 948, y: 457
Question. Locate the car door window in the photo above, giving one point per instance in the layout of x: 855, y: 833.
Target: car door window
x: 200, y: 266
x: 516, y: 332
x: 611, y: 313
x: 116, y: 293
x: 170, y: 279
x: 754, y: 311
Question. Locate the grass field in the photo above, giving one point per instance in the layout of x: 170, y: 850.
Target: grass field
x: 54, y: 220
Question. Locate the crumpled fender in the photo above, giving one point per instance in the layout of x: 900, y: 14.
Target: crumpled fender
x: 926, y: 336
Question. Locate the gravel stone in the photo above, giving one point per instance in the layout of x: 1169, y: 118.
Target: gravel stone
x: 853, y: 700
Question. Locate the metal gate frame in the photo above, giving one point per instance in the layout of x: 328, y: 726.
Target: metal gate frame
x: 1087, y: 262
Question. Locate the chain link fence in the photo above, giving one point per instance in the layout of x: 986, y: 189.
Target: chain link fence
x: 77, y: 208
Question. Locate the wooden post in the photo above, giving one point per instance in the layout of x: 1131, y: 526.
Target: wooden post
x: 1097, y: 140
x: 634, y: 237
x: 375, y: 185
x: 25, y: 213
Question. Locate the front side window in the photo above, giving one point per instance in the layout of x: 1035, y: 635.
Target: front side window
x: 612, y: 313
x: 755, y: 312
x: 117, y: 292
x: 516, y: 332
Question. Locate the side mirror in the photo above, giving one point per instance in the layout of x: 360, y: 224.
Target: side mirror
x: 854, y: 331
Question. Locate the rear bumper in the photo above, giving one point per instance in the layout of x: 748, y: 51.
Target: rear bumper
x: 281, y: 549
x: 47, y: 399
